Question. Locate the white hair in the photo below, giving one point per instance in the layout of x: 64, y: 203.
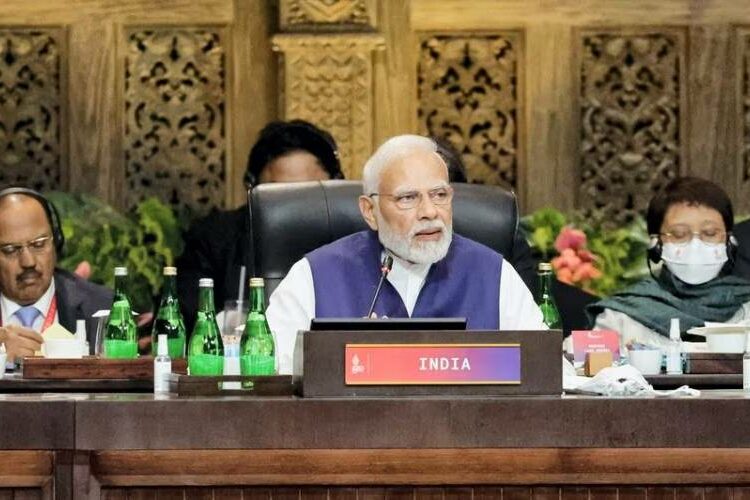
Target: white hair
x: 393, y: 149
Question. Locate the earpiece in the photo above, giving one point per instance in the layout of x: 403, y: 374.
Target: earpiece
x: 655, y: 247
x: 52, y: 215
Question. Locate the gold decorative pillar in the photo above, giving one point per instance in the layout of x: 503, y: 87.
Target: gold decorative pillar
x: 326, y: 71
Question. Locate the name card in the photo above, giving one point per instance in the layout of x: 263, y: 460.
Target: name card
x: 595, y: 341
x: 432, y: 364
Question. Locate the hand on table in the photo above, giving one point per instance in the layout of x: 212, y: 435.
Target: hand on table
x: 20, y: 341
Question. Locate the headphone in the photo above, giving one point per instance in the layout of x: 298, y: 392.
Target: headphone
x: 53, y: 217
x: 655, y: 249
x: 311, y: 136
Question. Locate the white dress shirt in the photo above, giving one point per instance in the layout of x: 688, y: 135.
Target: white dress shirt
x: 292, y: 304
x: 8, y: 309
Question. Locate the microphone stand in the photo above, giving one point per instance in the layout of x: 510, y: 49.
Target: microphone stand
x: 385, y: 268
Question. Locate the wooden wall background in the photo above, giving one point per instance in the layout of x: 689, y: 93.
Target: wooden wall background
x: 590, y: 104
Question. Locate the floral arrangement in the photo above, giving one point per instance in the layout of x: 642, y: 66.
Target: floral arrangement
x: 586, y: 252
x: 575, y: 264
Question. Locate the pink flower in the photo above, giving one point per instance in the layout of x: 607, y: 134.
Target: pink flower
x: 585, y: 272
x: 83, y: 270
x: 570, y: 238
x: 565, y: 275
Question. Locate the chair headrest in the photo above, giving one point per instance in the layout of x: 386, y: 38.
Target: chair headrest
x: 291, y: 219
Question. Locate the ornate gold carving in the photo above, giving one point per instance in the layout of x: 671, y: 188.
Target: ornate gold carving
x: 175, y: 139
x: 468, y: 95
x: 328, y: 81
x: 329, y: 13
x: 630, y: 119
x: 30, y: 108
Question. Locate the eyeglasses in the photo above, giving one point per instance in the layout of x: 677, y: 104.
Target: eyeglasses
x: 37, y: 246
x: 681, y: 235
x: 411, y: 199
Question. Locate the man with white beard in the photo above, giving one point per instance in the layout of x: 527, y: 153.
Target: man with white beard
x: 407, y: 203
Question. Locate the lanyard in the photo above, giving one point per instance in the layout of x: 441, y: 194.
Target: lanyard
x: 49, y: 318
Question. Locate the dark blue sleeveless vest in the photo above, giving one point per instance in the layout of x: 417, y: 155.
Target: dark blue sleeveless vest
x: 466, y: 283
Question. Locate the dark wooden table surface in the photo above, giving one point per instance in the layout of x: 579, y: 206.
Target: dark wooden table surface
x: 89, y: 445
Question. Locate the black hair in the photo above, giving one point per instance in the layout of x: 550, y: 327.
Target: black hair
x: 452, y: 158
x: 693, y: 191
x: 279, y: 138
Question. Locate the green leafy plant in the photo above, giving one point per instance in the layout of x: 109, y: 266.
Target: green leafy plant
x: 617, y: 253
x: 144, y: 240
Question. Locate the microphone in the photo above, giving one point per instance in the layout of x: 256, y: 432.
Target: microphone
x: 385, y: 268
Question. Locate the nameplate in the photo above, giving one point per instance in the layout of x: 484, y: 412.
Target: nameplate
x: 432, y: 364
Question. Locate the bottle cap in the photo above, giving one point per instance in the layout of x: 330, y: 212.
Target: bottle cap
x: 170, y: 271
x: 121, y: 271
x: 206, y: 283
x: 162, y: 348
x: 545, y: 266
x: 257, y: 282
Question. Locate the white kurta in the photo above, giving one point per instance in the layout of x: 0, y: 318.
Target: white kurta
x: 292, y: 304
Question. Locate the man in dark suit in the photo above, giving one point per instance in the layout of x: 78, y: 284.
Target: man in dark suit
x: 33, y: 294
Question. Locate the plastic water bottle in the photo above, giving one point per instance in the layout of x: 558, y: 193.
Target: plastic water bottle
x: 674, y: 351
x: 162, y: 366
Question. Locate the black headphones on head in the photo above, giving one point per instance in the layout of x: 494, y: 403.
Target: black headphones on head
x: 655, y: 248
x: 316, y: 141
x: 53, y: 217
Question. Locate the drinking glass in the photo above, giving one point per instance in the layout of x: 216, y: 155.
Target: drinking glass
x: 235, y: 314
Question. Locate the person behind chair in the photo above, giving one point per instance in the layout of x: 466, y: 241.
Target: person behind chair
x: 520, y: 256
x: 407, y: 203
x: 33, y: 293
x: 217, y: 246
x: 690, y: 225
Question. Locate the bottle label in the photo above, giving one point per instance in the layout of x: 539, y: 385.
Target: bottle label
x: 206, y: 364
x: 162, y: 369
x: 674, y: 360
x: 257, y: 364
x: 120, y: 349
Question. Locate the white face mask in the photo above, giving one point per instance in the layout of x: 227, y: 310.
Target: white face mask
x: 695, y: 262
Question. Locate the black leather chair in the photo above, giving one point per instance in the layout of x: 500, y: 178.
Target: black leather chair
x: 289, y: 220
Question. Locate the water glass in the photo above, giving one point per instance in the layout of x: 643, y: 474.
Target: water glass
x: 232, y: 326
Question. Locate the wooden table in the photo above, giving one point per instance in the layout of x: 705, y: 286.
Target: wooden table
x: 137, y: 446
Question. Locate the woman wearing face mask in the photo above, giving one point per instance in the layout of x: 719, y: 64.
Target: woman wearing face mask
x: 690, y: 256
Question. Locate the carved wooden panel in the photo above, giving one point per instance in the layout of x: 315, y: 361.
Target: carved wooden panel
x: 468, y: 94
x: 31, y: 108
x: 328, y: 81
x: 175, y: 137
x: 630, y: 107
x: 330, y: 14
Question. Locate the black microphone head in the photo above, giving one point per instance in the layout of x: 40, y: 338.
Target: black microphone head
x: 387, y: 264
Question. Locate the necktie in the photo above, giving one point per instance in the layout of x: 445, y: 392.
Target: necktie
x: 27, y: 315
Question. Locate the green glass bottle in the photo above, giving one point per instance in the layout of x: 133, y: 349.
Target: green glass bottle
x: 169, y: 320
x: 206, y: 351
x: 257, y: 349
x: 120, y: 338
x: 550, y: 313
